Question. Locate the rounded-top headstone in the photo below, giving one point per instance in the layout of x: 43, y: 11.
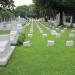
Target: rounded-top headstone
x: 26, y: 44
x: 51, y: 43
x: 53, y: 32
x: 69, y: 43
x: 71, y: 35
x: 44, y: 35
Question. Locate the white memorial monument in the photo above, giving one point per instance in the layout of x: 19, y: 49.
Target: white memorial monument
x: 72, y: 30
x: 19, y: 27
x: 41, y: 31
x: 51, y: 43
x: 44, y: 35
x: 57, y: 28
x: 62, y: 31
x: 69, y: 43
x: 14, y: 37
x: 5, y: 49
x: 53, y: 32
x: 58, y: 35
x: 30, y: 35
x: 67, y: 20
x: 26, y: 44
x: 71, y: 35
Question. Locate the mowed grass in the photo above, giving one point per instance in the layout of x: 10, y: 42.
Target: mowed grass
x: 40, y: 59
x: 4, y: 32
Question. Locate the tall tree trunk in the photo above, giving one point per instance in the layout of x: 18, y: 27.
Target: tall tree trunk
x: 61, y: 17
x: 71, y: 22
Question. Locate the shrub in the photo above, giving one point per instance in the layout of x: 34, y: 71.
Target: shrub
x: 21, y: 38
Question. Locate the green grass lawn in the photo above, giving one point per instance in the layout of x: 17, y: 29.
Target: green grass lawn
x: 4, y: 32
x: 40, y: 59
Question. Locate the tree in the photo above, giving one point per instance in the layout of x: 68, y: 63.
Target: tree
x: 33, y: 12
x: 44, y: 8
x: 6, y: 9
x: 58, y: 6
x: 24, y: 11
x: 5, y: 14
x: 7, y: 4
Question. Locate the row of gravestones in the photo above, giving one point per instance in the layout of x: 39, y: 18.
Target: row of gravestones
x: 40, y: 28
x: 50, y: 42
x: 10, y: 24
x: 6, y: 40
x: 30, y: 35
x: 31, y: 28
x: 15, y: 31
x: 53, y: 32
x: 58, y: 35
x: 16, y: 28
x: 5, y: 49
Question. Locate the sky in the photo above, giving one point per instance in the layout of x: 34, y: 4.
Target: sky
x: 22, y: 2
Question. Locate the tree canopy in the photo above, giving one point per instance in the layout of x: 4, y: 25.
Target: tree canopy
x: 25, y: 10
x: 6, y: 9
x: 56, y: 6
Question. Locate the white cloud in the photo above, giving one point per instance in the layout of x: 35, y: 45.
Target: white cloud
x: 22, y: 2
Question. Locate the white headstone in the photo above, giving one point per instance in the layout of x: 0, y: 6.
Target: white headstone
x: 57, y: 28
x: 19, y: 27
x: 58, y: 35
x: 73, y: 24
x: 72, y: 30
x: 57, y: 19
x: 26, y: 44
x: 41, y: 31
x: 30, y: 35
x: 69, y: 43
x: 67, y: 20
x: 31, y: 31
x: 44, y: 35
x: 60, y: 27
x: 62, y: 31
x: 53, y: 32
x: 71, y: 35
x: 65, y: 28
x: 14, y: 37
x: 51, y: 43
x: 48, y: 28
